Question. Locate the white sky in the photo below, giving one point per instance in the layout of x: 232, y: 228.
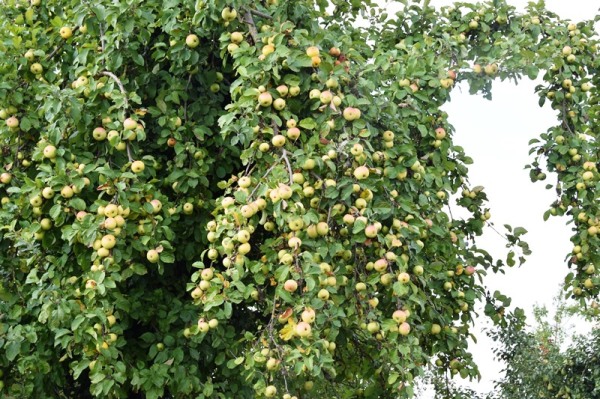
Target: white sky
x: 496, y: 135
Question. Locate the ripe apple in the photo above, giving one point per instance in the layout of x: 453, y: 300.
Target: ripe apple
x: 326, y: 97
x: 440, y: 133
x: 312, y: 51
x: 373, y: 327
x: 361, y: 172
x: 12, y: 122
x: 278, y: 104
x: 293, y: 133
x: 137, y: 166
x: 270, y: 391
x: 50, y: 152
x: 351, y: 114
x: 290, y: 286
x: 371, y: 231
x: 36, y: 68
x: 404, y: 277
x: 108, y: 241
x: 152, y: 256
x: 399, y: 316
x: 469, y: 270
x: 203, y: 326
x: 308, y: 315
x: 129, y: 124
x: 99, y: 134
x: 586, y: 87
x: 237, y: 37
x: 303, y: 329
x: 567, y: 50
x: 66, y: 32
x: 228, y: 14
x: 322, y: 228
x: 5, y: 178
x: 278, y: 140
x: 46, y: 224
x: 265, y: 99
x: 294, y: 91
x: 188, y: 208
x: 334, y: 52
x: 323, y: 294
x: 404, y: 328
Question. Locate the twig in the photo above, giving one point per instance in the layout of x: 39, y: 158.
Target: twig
x: 119, y: 83
x: 129, y: 156
x: 289, y: 166
x: 260, y: 14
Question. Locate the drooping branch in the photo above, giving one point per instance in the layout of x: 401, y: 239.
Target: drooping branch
x: 251, y: 25
x: 119, y: 83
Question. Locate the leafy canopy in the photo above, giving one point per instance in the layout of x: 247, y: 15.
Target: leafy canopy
x: 250, y: 199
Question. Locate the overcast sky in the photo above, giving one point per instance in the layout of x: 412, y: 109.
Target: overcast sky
x: 496, y: 135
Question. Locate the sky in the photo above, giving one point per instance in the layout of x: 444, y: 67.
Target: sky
x: 496, y: 135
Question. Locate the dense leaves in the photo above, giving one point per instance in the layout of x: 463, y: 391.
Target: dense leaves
x: 256, y: 200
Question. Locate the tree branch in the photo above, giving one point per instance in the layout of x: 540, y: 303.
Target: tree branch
x: 119, y: 83
x: 251, y: 25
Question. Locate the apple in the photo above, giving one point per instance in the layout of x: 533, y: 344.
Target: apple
x: 270, y: 391
x: 203, y: 326
x: 265, y: 99
x: 308, y: 315
x: 294, y: 91
x: 156, y: 206
x: 373, y: 327
x: 50, y: 152
x: 129, y: 124
x: 371, y: 231
x: 278, y: 104
x: 315, y: 94
x: 334, y: 52
x: 323, y: 294
x: 188, y: 208
x: 278, y: 140
x: 404, y: 277
x: 152, y: 256
x: 326, y: 97
x: 312, y: 51
x: 228, y: 14
x: 232, y: 47
x: 404, y: 328
x: 137, y: 166
x: 268, y: 49
x: 361, y: 172
x: 303, y: 329
x: 440, y: 133
x: 473, y: 24
x: 469, y: 270
x: 322, y: 228
x: 65, y: 32
x: 29, y: 55
x: 36, y: 68
x: 237, y: 37
x: 586, y: 86
x: 567, y: 50
x: 99, y: 134
x: 490, y: 69
x: 399, y: 316
x: 12, y: 122
x: 418, y: 270
x: 351, y: 114
x: 46, y: 224
x: 108, y: 241
x: 290, y: 286
x: 293, y: 133
x: 5, y: 178
x: 360, y: 286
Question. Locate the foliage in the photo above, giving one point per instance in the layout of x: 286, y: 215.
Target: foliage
x: 185, y: 183
x: 546, y: 361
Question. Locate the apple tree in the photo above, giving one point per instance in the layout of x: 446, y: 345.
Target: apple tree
x: 264, y: 199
